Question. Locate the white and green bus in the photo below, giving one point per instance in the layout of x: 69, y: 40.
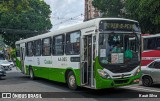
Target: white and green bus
x: 82, y: 55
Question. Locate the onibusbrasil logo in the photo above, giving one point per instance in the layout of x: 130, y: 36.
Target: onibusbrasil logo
x: 21, y: 95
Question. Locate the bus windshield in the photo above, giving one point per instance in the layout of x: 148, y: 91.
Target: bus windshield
x: 115, y: 50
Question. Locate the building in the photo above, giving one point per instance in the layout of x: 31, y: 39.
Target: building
x: 90, y: 12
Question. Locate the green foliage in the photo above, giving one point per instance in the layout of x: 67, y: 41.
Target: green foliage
x: 110, y: 8
x: 147, y: 12
x: 22, y: 18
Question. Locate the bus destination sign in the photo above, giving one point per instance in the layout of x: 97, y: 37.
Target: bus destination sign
x: 118, y: 26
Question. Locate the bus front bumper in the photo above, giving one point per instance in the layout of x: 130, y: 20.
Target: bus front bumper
x: 112, y: 83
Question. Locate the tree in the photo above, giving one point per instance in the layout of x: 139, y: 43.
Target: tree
x: 23, y: 18
x: 110, y: 8
x: 146, y: 12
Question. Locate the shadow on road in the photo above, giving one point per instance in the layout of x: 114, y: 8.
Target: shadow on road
x: 90, y: 93
x: 153, y: 86
x: 156, y: 86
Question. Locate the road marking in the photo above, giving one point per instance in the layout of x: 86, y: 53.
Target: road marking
x: 142, y: 89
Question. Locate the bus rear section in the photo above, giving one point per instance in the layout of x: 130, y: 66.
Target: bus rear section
x: 150, y: 49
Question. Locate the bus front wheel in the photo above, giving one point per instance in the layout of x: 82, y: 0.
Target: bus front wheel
x: 31, y: 74
x: 71, y: 81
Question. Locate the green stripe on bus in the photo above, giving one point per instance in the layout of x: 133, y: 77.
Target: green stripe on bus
x: 55, y: 74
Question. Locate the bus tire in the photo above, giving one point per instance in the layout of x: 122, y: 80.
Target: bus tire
x: 147, y: 81
x: 71, y: 81
x: 31, y: 74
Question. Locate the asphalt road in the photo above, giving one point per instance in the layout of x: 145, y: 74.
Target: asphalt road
x: 15, y: 81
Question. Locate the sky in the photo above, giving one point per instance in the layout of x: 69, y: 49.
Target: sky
x: 65, y: 12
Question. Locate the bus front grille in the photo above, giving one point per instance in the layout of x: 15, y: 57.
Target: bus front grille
x: 120, y: 76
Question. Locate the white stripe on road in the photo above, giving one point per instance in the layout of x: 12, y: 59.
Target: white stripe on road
x: 141, y: 89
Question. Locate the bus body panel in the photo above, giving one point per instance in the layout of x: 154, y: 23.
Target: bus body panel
x: 149, y: 56
x: 58, y: 74
x: 53, y: 69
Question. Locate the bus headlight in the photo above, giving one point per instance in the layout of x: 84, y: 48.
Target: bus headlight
x: 137, y: 71
x: 103, y: 74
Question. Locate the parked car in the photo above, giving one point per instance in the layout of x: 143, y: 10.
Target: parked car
x: 2, y: 73
x: 151, y: 73
x: 11, y: 63
x: 5, y: 65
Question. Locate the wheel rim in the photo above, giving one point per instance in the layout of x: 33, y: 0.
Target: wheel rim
x: 146, y: 81
x: 72, y: 80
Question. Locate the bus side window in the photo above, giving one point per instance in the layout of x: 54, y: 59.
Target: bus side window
x: 58, y: 45
x: 158, y: 43
x: 26, y: 49
x: 30, y: 48
x: 37, y: 47
x: 145, y: 44
x: 46, y: 46
x: 152, y: 43
x: 73, y: 43
x: 18, y: 50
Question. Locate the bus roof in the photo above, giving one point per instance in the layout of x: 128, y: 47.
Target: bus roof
x: 83, y: 25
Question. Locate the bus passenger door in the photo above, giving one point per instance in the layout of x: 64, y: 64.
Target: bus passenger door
x: 22, y: 57
x: 87, y: 61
